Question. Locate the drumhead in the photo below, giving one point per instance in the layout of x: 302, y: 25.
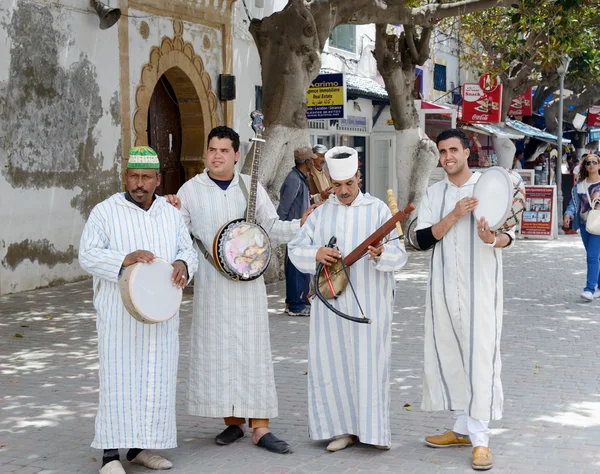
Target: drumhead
x: 494, y: 189
x: 152, y: 293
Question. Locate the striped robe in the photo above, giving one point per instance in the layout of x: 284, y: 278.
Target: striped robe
x: 348, y: 362
x: 463, y: 316
x: 138, y: 362
x: 231, y: 370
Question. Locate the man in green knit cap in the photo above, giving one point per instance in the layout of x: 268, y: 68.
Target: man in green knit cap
x: 137, y: 361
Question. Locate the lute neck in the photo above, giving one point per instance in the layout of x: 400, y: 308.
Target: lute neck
x: 251, y: 213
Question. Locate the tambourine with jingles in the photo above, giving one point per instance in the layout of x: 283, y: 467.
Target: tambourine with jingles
x: 330, y: 281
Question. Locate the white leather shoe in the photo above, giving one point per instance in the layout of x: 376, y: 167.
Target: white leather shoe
x: 152, y: 460
x: 113, y: 467
x: 341, y: 443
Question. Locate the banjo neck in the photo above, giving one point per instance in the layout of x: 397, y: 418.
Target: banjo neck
x: 378, y: 235
x: 251, y: 213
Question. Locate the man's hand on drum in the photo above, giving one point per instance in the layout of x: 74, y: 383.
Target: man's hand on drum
x: 375, y: 251
x: 173, y: 200
x: 327, y: 255
x: 483, y: 231
x: 464, y: 206
x: 308, y: 212
x: 139, y: 256
x: 180, y: 275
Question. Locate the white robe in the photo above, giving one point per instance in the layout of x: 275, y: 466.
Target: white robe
x: 138, y: 362
x: 348, y: 362
x: 231, y: 370
x: 463, y: 316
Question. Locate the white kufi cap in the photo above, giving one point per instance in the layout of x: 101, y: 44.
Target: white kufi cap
x: 341, y: 169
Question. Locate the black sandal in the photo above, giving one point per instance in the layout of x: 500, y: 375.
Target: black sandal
x: 273, y: 444
x: 229, y: 435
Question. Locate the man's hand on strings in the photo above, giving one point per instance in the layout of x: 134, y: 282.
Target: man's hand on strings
x: 327, y: 255
x: 375, y: 251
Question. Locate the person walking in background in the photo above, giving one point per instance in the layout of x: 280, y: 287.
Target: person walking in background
x: 294, y: 199
x: 587, y: 189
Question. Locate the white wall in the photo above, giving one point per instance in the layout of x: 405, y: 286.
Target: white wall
x: 59, y: 102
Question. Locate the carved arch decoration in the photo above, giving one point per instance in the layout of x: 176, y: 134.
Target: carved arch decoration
x: 174, y: 53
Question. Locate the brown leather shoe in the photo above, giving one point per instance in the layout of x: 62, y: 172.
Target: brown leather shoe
x: 482, y: 458
x: 446, y: 440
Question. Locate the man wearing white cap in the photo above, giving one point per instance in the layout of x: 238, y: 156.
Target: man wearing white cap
x: 349, y: 363
x: 137, y: 361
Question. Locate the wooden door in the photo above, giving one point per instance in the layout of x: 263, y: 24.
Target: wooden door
x: 164, y: 136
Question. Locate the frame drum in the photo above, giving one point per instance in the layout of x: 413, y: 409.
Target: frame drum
x: 148, y: 292
x: 498, y: 194
x: 494, y: 190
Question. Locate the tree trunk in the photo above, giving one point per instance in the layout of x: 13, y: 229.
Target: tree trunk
x: 505, y: 151
x: 416, y: 155
x: 290, y: 54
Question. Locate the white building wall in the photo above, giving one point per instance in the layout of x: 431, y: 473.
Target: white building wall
x: 59, y: 135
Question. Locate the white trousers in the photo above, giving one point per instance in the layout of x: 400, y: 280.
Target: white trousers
x: 478, y: 430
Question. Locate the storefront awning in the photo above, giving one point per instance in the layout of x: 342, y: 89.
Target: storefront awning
x: 425, y: 104
x: 494, y: 130
x: 530, y: 131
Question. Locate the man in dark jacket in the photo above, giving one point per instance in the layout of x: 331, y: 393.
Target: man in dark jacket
x: 294, y: 199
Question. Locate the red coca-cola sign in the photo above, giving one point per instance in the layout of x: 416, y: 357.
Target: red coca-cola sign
x: 593, y: 116
x: 522, y: 105
x: 480, y: 106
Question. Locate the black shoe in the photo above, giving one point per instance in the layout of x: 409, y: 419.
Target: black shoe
x: 229, y: 435
x: 272, y: 443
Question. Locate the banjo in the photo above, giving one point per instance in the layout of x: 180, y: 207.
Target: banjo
x: 241, y: 248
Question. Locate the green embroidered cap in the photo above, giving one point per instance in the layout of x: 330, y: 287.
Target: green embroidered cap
x: 143, y: 157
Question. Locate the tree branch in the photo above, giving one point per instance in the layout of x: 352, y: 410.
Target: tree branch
x: 364, y: 12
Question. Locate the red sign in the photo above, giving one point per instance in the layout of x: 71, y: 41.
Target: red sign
x: 488, y: 82
x: 521, y: 106
x: 481, y: 107
x: 537, y: 219
x: 593, y: 116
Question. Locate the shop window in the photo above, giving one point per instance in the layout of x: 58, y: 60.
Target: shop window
x: 439, y: 77
x: 344, y: 37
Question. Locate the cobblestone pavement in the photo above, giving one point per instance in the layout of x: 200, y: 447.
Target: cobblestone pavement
x: 551, y: 382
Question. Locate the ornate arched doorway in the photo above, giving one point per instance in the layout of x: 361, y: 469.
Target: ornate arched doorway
x: 175, y: 99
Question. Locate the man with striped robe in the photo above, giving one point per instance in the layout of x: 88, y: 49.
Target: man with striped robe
x: 138, y: 362
x: 349, y: 362
x: 231, y: 369
x: 463, y: 317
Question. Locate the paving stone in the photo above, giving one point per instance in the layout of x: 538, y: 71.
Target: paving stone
x: 550, y: 375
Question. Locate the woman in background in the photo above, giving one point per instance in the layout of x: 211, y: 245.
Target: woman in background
x: 588, y: 186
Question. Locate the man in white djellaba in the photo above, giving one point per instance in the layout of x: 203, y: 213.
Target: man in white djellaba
x: 231, y: 369
x: 138, y: 362
x: 464, y: 305
x: 349, y: 362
